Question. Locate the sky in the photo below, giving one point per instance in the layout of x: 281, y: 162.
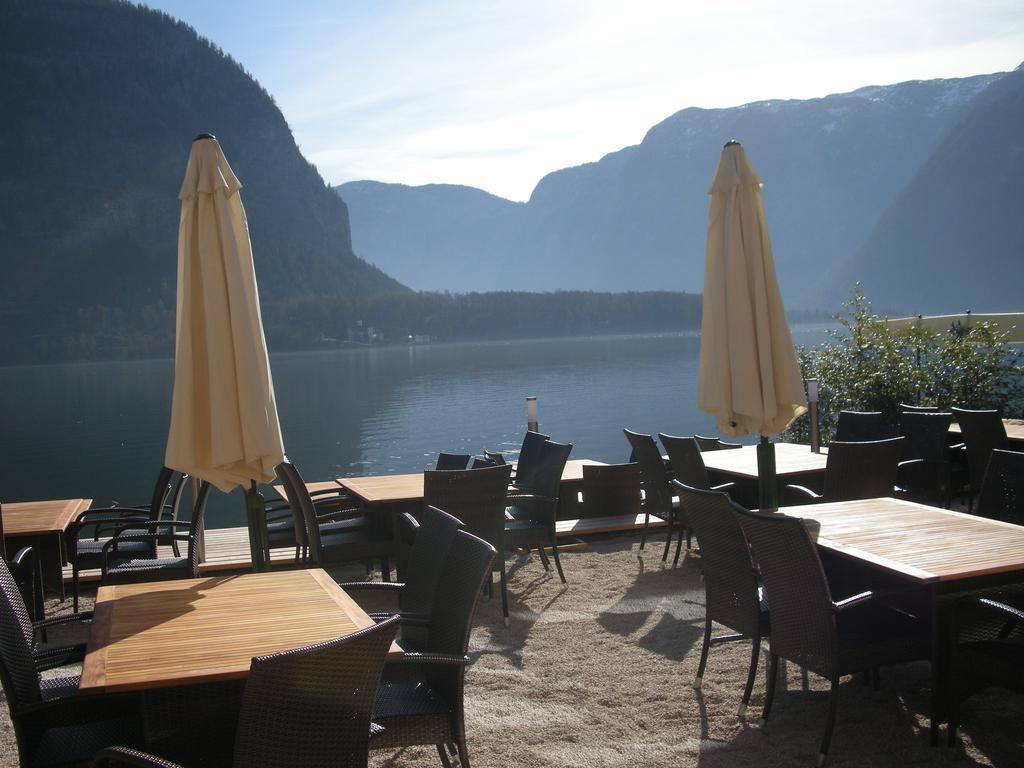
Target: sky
x: 497, y: 93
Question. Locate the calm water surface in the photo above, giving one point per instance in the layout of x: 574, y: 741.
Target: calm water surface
x: 98, y: 430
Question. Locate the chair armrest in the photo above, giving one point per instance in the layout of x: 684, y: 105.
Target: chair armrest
x: 723, y: 487
x: 407, y: 619
x: 447, y: 659
x: 801, y: 494
x: 373, y: 586
x: 120, y: 757
x: 339, y: 514
x: 852, y: 602
x: 51, y: 658
x: 58, y: 620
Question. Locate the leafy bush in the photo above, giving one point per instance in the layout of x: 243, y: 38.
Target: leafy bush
x: 870, y: 367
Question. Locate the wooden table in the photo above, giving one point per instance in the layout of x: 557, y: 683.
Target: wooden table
x: 43, y: 524
x: 1014, y: 430
x: 944, y: 553
x: 791, y: 460
x: 175, y: 633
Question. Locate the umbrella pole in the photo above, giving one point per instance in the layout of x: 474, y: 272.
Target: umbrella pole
x: 767, y: 480
x: 254, y: 511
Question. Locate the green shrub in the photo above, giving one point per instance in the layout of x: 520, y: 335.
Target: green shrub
x: 867, y: 366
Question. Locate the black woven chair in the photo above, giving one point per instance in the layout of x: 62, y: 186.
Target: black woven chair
x: 987, y: 651
x: 477, y: 497
x: 529, y: 456
x: 1002, y: 490
x: 496, y: 456
x: 733, y: 596
x: 84, y: 542
x: 26, y: 569
x: 452, y: 460
x: 924, y: 468
x: 859, y: 426
x: 53, y: 723
x: 432, y: 536
x: 611, y: 490
x: 714, y: 443
x: 983, y: 431
x: 908, y: 408
x: 116, y: 570
x: 654, y: 482
x: 827, y: 637
x: 337, y: 535
x: 854, y: 471
x: 482, y: 462
x: 420, y: 700
x: 533, y: 506
x: 304, y: 708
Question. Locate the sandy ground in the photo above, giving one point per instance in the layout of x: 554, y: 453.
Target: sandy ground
x: 600, y: 673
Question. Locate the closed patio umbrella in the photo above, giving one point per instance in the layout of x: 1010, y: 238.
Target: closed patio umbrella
x: 749, y: 379
x: 224, y: 426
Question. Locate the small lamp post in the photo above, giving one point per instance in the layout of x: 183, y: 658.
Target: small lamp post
x: 531, y: 414
x: 812, y: 414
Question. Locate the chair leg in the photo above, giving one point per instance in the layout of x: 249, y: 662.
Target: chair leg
x: 668, y: 541
x: 543, y: 557
x: 703, y: 654
x: 74, y: 586
x: 558, y: 562
x: 504, y: 592
x: 643, y: 535
x: 463, y: 752
x: 385, y: 569
x: 773, y: 669
x: 833, y: 704
x: 444, y: 756
x: 755, y: 652
x: 953, y: 718
x: 679, y: 546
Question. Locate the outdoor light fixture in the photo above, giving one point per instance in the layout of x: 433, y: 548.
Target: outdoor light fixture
x: 531, y: 414
x: 812, y: 415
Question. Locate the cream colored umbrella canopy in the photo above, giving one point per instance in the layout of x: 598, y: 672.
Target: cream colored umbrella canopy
x: 749, y: 379
x: 224, y: 426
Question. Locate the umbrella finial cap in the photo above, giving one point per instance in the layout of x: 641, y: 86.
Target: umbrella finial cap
x: 202, y: 136
x: 731, y: 143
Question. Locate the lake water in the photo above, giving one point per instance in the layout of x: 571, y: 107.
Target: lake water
x: 98, y: 429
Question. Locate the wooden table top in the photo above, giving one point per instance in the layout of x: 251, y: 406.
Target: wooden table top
x: 169, y: 633
x: 926, y: 544
x: 1014, y: 429
x: 35, y: 518
x: 391, y: 489
x: 790, y: 459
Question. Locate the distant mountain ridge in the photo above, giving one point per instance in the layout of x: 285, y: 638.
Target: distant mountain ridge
x: 636, y: 219
x: 101, y: 102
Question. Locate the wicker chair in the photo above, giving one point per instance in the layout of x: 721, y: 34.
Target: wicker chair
x: 827, y: 637
x: 987, y: 650
x: 1002, y: 490
x: 85, y: 547
x: 611, y: 490
x: 482, y: 462
x: 908, y: 408
x: 53, y: 722
x: 116, y: 570
x: 983, y: 431
x: 420, y: 700
x: 496, y: 456
x: 925, y: 466
x: 529, y: 456
x: 654, y: 481
x: 304, y: 708
x: 477, y: 497
x: 859, y: 426
x: 25, y: 568
x: 431, y: 537
x: 533, y: 506
x: 714, y: 443
x: 452, y: 461
x: 855, y: 471
x: 732, y: 592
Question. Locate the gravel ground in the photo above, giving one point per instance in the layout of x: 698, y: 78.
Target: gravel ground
x: 600, y: 672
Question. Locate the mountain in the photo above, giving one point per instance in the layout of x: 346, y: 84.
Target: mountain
x: 637, y: 218
x: 954, y: 237
x: 101, y: 102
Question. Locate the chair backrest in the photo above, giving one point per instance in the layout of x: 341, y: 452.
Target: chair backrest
x: 24, y: 565
x: 803, y: 623
x: 479, y: 462
x: 529, y: 455
x: 611, y: 489
x: 311, y: 707
x: 925, y: 434
x: 468, y: 563
x: 730, y: 581
x: 908, y: 408
x: 173, y: 508
x: 547, y: 475
x: 452, y: 460
x: 301, y: 504
x: 196, y: 527
x: 687, y: 464
x: 708, y: 443
x: 496, y: 456
x: 1002, y: 490
x: 477, y: 497
x: 17, y: 667
x: 162, y: 490
x: 654, y: 478
x: 983, y: 431
x: 862, y: 470
x: 858, y: 426
x: 435, y: 533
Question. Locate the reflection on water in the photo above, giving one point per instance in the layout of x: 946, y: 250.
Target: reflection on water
x: 98, y: 430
